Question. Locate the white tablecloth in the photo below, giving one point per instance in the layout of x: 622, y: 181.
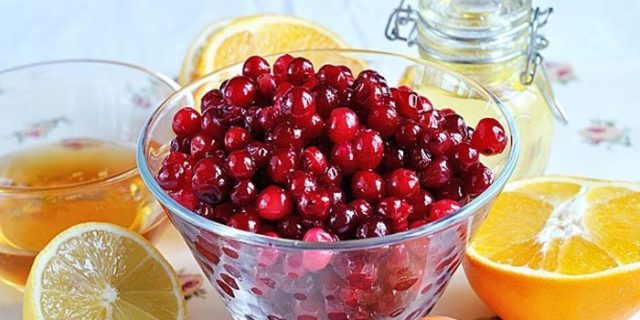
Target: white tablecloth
x: 599, y: 39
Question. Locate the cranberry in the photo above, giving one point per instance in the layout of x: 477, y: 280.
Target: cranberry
x: 331, y: 177
x: 280, y: 67
x: 372, y: 227
x: 489, y: 137
x: 273, y: 203
x: 269, y: 117
x: 314, y: 128
x: 299, y: 105
x: 313, y: 160
x: 171, y: 176
x: 408, y: 103
x: 402, y: 183
x: 211, y: 125
x: 408, y: 133
x: 363, y: 209
x: 342, y: 125
x: 291, y: 227
x: 343, y: 221
x: 367, y: 185
x: 245, y: 221
x: 442, y: 209
x: 367, y: 93
x: 477, y: 180
x: 419, y: 158
x: 431, y: 120
x: 299, y: 71
x: 240, y: 165
x: 337, y: 195
x: 210, y: 183
x: 315, y: 204
x: 343, y: 156
x: 394, y: 208
x: 185, y: 197
x: 326, y: 100
x: 437, y: 174
x: 240, y: 91
x: 299, y: 183
x: 255, y: 66
x: 383, y: 118
x: 259, y: 153
x: 281, y: 164
x: 266, y: 85
x: 465, y: 156
x: 314, y: 260
x: 333, y: 76
x: 211, y: 99
x: 452, y: 190
x: 286, y: 135
x: 243, y: 193
x: 220, y: 213
x: 368, y: 149
x: 455, y: 124
x: 438, y: 142
x: 421, y: 202
x: 393, y: 158
x: 180, y: 144
x: 281, y: 91
x: 186, y: 122
x: 236, y: 138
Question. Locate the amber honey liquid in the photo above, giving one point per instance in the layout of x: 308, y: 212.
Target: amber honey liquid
x: 79, y: 180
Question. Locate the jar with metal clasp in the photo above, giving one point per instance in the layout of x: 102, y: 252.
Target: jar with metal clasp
x: 497, y: 43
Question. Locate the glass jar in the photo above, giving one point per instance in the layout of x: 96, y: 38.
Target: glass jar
x: 496, y: 43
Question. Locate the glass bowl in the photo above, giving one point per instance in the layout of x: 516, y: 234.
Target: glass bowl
x: 57, y: 116
x: 397, y: 276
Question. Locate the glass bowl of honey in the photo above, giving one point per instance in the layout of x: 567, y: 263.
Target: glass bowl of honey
x: 67, y: 153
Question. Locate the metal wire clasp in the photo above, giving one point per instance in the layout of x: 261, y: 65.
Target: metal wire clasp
x: 537, y: 42
x: 402, y: 17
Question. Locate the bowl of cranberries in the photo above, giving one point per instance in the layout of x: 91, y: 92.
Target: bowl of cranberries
x: 329, y: 184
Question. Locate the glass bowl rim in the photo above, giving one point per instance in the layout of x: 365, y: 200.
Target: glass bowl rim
x: 262, y: 240
x: 119, y: 176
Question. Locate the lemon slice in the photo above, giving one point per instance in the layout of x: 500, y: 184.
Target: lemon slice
x: 102, y: 271
x: 560, y: 248
x: 230, y: 41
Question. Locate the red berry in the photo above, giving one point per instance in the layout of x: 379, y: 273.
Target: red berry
x: 408, y: 103
x: 212, y: 99
x: 186, y: 122
x: 343, y: 221
x: 282, y: 162
x: 180, y: 144
x: 255, y: 66
x: 211, y: 125
x: 240, y: 165
x: 465, y: 156
x: 210, y: 183
x: 314, y: 260
x: 371, y: 228
x: 477, y: 180
x: 299, y: 71
x: 394, y: 209
x: 489, y: 137
x: 266, y: 85
x: 314, y: 128
x: 333, y: 76
x: 315, y: 205
x: 240, y: 91
x: 342, y: 125
x: 313, y: 160
x: 245, y: 221
x: 286, y: 135
x: 402, y: 183
x: 442, y: 209
x: 202, y: 145
x: 431, y: 120
x: 343, y: 156
x: 437, y: 174
x: 259, y: 153
x: 408, y: 133
x: 236, y: 138
x: 394, y: 157
x: 384, y: 119
x: 368, y: 149
x: 280, y: 67
x: 363, y: 209
x: 171, y: 176
x: 421, y: 202
x: 243, y: 193
x: 299, y: 105
x: 273, y: 203
x: 299, y: 183
x: 291, y: 227
x: 326, y: 100
x: 438, y: 142
x: 419, y: 158
x: 331, y: 177
x: 367, y: 185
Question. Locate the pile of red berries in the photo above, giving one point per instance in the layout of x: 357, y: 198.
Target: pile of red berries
x: 322, y: 155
